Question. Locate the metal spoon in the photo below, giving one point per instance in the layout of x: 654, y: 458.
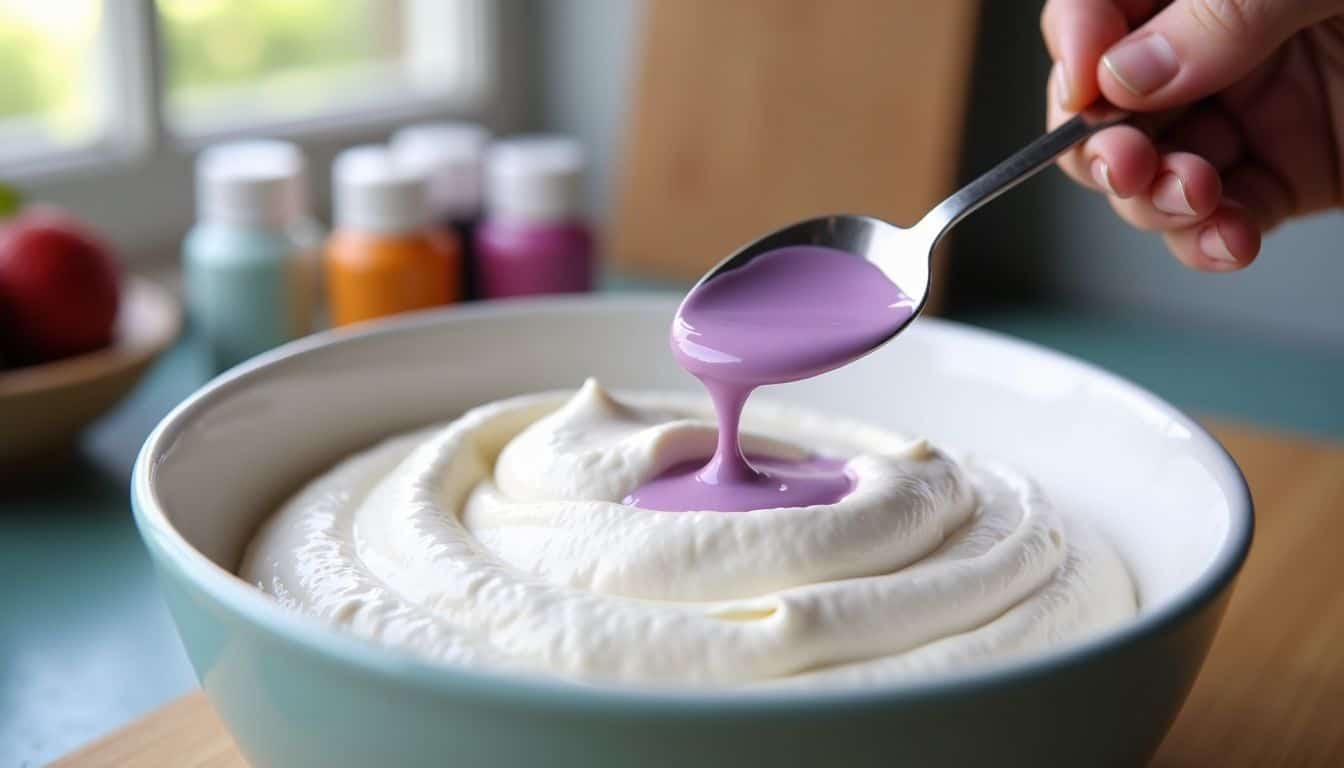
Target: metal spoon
x: 904, y: 255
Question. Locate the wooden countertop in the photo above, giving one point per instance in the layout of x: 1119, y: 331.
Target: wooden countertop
x: 1270, y: 694
x: 1272, y: 689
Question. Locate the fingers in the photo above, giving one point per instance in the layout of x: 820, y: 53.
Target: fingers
x: 1193, y: 48
x: 1217, y: 223
x: 1119, y: 161
x: 1185, y: 191
x: 1077, y: 33
x: 1209, y: 222
x: 1228, y: 240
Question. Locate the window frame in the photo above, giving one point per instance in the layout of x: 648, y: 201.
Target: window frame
x: 125, y: 49
x: 402, y: 108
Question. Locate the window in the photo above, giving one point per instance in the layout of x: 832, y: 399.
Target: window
x: 285, y: 60
x: 102, y: 97
x: 48, y: 69
x: 91, y: 79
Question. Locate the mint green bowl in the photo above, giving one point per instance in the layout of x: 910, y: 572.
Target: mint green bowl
x: 295, y: 693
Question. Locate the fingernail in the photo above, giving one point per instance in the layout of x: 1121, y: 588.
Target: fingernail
x: 1212, y: 245
x: 1169, y: 196
x: 1101, y: 173
x: 1062, y: 91
x: 1142, y: 64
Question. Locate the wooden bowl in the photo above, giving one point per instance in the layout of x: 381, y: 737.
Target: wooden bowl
x: 43, y: 408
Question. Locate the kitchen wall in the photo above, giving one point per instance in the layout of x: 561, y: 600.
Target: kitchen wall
x: 587, y: 57
x: 1046, y: 243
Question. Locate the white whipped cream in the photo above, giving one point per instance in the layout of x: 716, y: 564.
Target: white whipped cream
x: 500, y: 540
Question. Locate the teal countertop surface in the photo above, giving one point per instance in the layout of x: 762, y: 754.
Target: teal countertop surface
x: 86, y: 644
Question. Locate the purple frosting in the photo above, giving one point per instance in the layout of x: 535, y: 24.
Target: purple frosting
x: 789, y: 314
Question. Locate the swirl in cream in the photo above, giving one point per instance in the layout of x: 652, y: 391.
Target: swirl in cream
x: 500, y: 539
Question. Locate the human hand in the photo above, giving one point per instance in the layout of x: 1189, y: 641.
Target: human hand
x: 1245, y: 123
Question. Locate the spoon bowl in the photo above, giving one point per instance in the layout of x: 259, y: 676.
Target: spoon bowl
x: 893, y: 250
x: 796, y: 303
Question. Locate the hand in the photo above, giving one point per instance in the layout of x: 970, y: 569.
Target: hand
x: 1246, y: 123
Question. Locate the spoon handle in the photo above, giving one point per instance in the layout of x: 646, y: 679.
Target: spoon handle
x: 1016, y: 168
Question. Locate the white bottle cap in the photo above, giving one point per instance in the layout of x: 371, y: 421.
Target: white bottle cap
x: 374, y: 193
x: 259, y: 183
x: 535, y: 178
x: 451, y: 154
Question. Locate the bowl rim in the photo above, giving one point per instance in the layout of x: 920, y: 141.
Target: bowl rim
x: 308, y: 633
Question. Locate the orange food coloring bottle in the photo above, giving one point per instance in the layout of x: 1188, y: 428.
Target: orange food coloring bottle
x: 384, y: 255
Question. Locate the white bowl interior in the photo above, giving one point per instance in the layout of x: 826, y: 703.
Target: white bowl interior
x: 1161, y: 490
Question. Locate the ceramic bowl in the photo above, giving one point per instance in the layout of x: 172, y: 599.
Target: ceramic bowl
x: 43, y: 408
x: 294, y: 692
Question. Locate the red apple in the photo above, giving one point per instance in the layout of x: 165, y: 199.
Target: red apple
x: 59, y: 286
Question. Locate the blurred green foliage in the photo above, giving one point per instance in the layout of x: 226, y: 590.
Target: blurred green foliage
x: 23, y: 91
x: 49, y: 59
x: 212, y: 43
x: 44, y: 57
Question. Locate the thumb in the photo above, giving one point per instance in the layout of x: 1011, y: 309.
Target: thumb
x: 1196, y: 47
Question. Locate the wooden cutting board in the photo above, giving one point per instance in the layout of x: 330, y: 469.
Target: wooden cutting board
x: 1271, y: 693
x: 751, y: 114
